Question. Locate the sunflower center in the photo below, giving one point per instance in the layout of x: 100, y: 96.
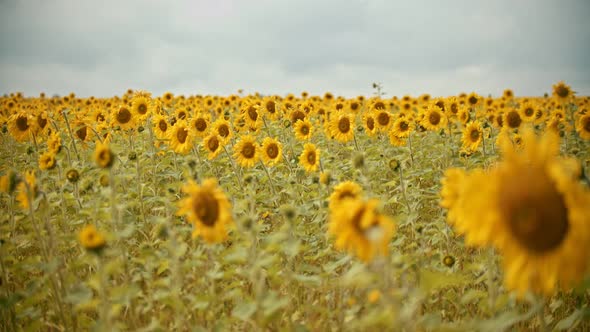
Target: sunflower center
x: 370, y: 123
x: 213, y: 144
x: 586, y: 124
x: 472, y: 100
x: 404, y: 126
x: 22, y: 123
x: 440, y: 104
x: 142, y: 109
x: 41, y: 121
x: 100, y: 117
x: 304, y: 130
x: 162, y: 125
x: 181, y: 135
x: 474, y: 135
x: 252, y: 113
x: 223, y: 130
x: 206, y: 208
x: 201, y: 124
x: 354, y: 106
x: 454, y: 108
x: 513, y: 120
x: 271, y: 107
x: 356, y: 219
x: 344, y: 125
x: 123, y: 116
x: 379, y: 105
x: 535, y: 210
x: 81, y: 133
x: 249, y: 150
x: 296, y: 116
x: 434, y: 118
x: 311, y: 158
x: 383, y: 118
x: 529, y: 111
x: 272, y: 151
x: 182, y: 115
x: 562, y: 91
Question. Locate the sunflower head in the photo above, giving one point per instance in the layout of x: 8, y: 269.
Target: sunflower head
x: 303, y: 130
x: 47, y: 160
x: 91, y: 239
x: 246, y: 151
x: 562, y: 92
x: 103, y: 156
x: 271, y: 151
x: 310, y: 157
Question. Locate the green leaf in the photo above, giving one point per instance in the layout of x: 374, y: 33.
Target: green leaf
x: 243, y: 311
x: 569, y: 321
x: 431, y: 280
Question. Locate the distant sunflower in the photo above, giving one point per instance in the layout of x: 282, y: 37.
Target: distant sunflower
x: 103, y: 156
x: 213, y: 144
x: 251, y: 115
x: 562, y: 92
x: 141, y: 106
x: 271, y: 108
x: 463, y: 115
x: 344, y: 190
x: 223, y: 129
x: 181, y: 113
x: 246, y: 151
x: 472, y: 136
x: 395, y: 140
x: 200, y: 123
x: 47, y: 160
x: 473, y: 100
x: 303, y: 130
x: 181, y: 137
x: 208, y: 209
x: 310, y: 157
x: 272, y: 151
x: 383, y: 119
x: 360, y: 229
x: 342, y: 127
x: 296, y: 115
x: 402, y: 127
x: 20, y: 126
x: 123, y: 117
x: 583, y: 126
x: 512, y: 119
x: 369, y: 123
x: 527, y: 112
x: 434, y: 119
x: 160, y: 126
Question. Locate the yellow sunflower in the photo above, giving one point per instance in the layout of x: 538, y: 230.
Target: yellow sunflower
x: 181, y: 137
x: 360, y: 229
x: 562, y: 92
x: 383, y: 119
x: 535, y: 215
x: 200, y: 122
x: 344, y: 190
x: 123, y: 117
x: 20, y: 126
x: 208, y: 209
x: 223, y: 129
x: 472, y: 136
x: 213, y: 144
x: 527, y: 111
x: 141, y: 106
x: 91, y: 239
x: 103, y: 156
x: 160, y: 126
x: 54, y: 142
x: 342, y: 127
x: 270, y: 106
x: 583, y: 126
x: 27, y: 190
x: 272, y: 151
x: 434, y: 119
x: 369, y: 123
x: 246, y: 151
x: 310, y: 157
x: 303, y: 130
x: 512, y: 119
x: 251, y: 114
x: 402, y: 127
x: 47, y: 160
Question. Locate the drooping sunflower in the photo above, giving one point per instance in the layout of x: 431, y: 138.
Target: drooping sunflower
x: 402, y: 127
x: 20, y: 126
x: 27, y: 190
x: 246, y: 151
x: 303, y: 130
x: 250, y: 112
x: 583, y: 126
x: 360, y: 229
x: 271, y: 107
x: 181, y: 137
x: 272, y: 151
x: 47, y: 160
x: 310, y: 157
x: 472, y: 135
x: 535, y: 215
x: 369, y: 123
x: 296, y: 115
x: 103, y: 155
x: 213, y: 144
x: 123, y: 117
x: 208, y: 209
x: 562, y: 92
x: 434, y: 119
x: 342, y: 127
x: 344, y: 190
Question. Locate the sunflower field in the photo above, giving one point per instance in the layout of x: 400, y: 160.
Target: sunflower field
x: 295, y: 213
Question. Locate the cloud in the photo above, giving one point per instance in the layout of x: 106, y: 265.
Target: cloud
x: 103, y: 48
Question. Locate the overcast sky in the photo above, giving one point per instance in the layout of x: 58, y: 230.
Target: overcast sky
x: 103, y: 47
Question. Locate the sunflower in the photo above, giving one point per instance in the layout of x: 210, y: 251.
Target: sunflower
x: 527, y: 111
x: 270, y: 106
x: 20, y: 126
x: 434, y: 119
x: 181, y: 137
x: 303, y: 130
x: 369, y: 123
x: 342, y: 127
x: 562, y: 92
x: 310, y: 157
x: 512, y: 119
x: 91, y: 239
x: 47, y: 160
x: 103, y: 156
x: 402, y: 127
x: 463, y: 115
x: 395, y: 140
x: 360, y: 229
x: 9, y: 182
x: 160, y: 126
x: 123, y: 117
x: 272, y: 151
x: 344, y: 190
x: 473, y: 100
x: 223, y: 129
x: 54, y: 142
x: 141, y: 106
x: 508, y: 94
x: 213, y: 144
x: 181, y: 113
x: 251, y: 114
x: 27, y: 189
x: 536, y: 215
x: 246, y: 151
x: 296, y: 115
x: 472, y: 136
x: 383, y: 119
x: 208, y: 209
x: 583, y: 126
x: 200, y: 122
x: 81, y: 131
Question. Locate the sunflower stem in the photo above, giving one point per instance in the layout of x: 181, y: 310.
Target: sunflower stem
x: 104, y: 300
x: 356, y: 145
x: 114, y: 211
x: 7, y: 291
x: 411, y: 150
x: 236, y: 170
x: 402, y: 184
x: 63, y: 113
x: 272, y: 185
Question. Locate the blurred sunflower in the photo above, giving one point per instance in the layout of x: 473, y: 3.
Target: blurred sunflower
x: 472, y: 136
x: 527, y: 111
x: 383, y: 119
x: 54, y: 142
x: 303, y: 130
x: 20, y: 126
x: 473, y: 100
x: 342, y: 127
x: 272, y: 151
x: 181, y: 113
x: 91, y: 239
x: 141, y: 106
x: 310, y: 157
x: 251, y: 115
x: 512, y: 119
x: 9, y: 182
x: 296, y: 115
x: 213, y: 145
x: 27, y: 189
x: 246, y: 151
x: 271, y: 108
x: 103, y: 156
x: 562, y: 92
x: 342, y: 191
x: 180, y: 137
x: 360, y: 229
x: 583, y: 126
x: 208, y: 209
x: 47, y: 160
